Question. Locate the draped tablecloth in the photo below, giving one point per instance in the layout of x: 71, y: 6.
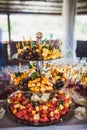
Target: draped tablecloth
x: 72, y: 123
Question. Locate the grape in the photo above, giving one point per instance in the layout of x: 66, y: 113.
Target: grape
x: 59, y: 84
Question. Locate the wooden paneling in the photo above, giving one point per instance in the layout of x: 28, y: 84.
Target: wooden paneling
x: 39, y: 6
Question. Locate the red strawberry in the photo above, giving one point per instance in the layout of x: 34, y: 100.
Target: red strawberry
x: 25, y: 102
x: 52, y: 118
x: 26, y: 117
x: 67, y: 109
x: 57, y: 116
x: 63, y: 112
x: 19, y: 114
x: 44, y: 111
x: 54, y: 103
x: 30, y: 109
x: 45, y: 119
x: 28, y: 105
x: 30, y: 119
x: 24, y: 112
x: 36, y: 121
x: 50, y: 109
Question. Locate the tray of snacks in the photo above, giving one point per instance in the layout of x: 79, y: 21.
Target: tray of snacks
x: 39, y: 50
x: 39, y: 109
x: 35, y: 81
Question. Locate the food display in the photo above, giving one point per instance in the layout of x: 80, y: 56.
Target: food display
x: 36, y: 108
x: 51, y: 78
x: 33, y: 80
x: 39, y: 50
x: 44, y: 96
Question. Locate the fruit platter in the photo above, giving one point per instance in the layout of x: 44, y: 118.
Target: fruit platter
x: 48, y: 95
x: 39, y: 109
x: 51, y: 78
x: 38, y: 50
x: 56, y: 87
x: 35, y: 81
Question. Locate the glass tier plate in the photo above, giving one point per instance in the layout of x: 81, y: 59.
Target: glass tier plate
x: 15, y: 56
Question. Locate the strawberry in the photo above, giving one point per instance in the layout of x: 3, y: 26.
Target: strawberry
x: 28, y: 105
x: 30, y: 109
x: 63, y: 112
x: 24, y: 112
x: 25, y: 102
x: 67, y: 109
x: 50, y: 109
x: 54, y: 103
x: 31, y: 119
x: 44, y: 111
x: 43, y: 115
x: 19, y: 114
x: 57, y: 116
x: 26, y: 116
x: 45, y: 119
x: 36, y: 121
x: 52, y: 118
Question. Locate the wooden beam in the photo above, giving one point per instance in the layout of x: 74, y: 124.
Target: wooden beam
x: 40, y: 13
x: 29, y: 4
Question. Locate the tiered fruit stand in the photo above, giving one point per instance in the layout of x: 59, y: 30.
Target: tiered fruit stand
x: 41, y: 97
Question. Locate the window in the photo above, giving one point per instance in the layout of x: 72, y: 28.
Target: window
x: 4, y: 27
x: 29, y: 25
x: 81, y: 27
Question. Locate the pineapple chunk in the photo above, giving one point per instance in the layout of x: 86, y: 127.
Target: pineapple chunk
x: 60, y: 92
x: 56, y: 111
x: 51, y: 113
x: 14, y: 111
x: 33, y: 112
x: 45, y: 107
x: 67, y: 95
x: 22, y: 107
x: 37, y: 108
x: 61, y: 107
x: 9, y: 101
x: 16, y: 105
x: 66, y: 105
x: 36, y: 117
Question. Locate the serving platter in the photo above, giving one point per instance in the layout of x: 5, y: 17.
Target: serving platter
x: 13, y: 117
x: 15, y: 56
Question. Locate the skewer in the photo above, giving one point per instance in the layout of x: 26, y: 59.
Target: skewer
x: 30, y: 39
x: 6, y: 69
x: 20, y: 66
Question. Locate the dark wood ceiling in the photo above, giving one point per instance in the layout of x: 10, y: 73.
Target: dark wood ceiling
x: 39, y: 6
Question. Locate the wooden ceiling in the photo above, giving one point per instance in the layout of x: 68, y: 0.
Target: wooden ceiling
x: 39, y: 6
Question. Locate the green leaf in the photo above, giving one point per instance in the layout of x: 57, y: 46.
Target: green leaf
x: 60, y: 74
x: 34, y: 75
x: 18, y: 74
x: 30, y: 66
x: 61, y: 102
x: 33, y: 43
x: 50, y: 47
x: 51, y: 36
x: 44, y: 39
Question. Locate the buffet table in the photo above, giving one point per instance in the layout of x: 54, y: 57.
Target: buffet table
x: 77, y: 127
x: 7, y: 124
x: 69, y: 124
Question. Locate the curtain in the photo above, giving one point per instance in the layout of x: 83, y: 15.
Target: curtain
x: 69, y: 12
